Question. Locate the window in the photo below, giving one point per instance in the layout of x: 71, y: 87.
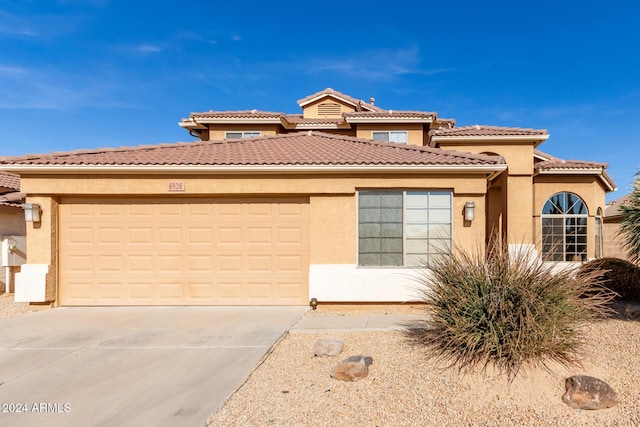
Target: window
x: 391, y: 136
x: 246, y: 134
x: 403, y: 228
x: 564, y: 228
x: 598, y: 235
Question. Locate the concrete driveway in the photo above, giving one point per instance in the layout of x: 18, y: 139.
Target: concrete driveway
x: 121, y: 366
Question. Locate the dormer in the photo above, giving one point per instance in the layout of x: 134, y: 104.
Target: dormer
x: 331, y: 104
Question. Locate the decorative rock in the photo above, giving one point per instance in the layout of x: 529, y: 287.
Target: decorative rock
x: 352, y: 369
x: 585, y: 392
x: 327, y: 348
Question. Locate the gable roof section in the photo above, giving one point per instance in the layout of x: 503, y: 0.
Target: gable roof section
x: 298, y: 151
x: 358, y: 103
x: 487, y: 133
x: 549, y: 165
x: 390, y: 116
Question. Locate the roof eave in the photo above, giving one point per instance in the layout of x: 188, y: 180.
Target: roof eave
x: 602, y: 175
x: 237, y: 120
x: 538, y: 139
x: 389, y: 120
x: 190, y: 124
x: 236, y: 169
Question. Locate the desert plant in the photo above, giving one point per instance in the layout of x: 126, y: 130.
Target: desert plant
x: 618, y: 275
x: 630, y: 223
x: 507, y: 310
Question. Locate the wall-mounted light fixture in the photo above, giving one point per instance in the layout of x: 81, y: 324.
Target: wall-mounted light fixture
x: 32, y: 212
x: 469, y: 211
x: 313, y: 303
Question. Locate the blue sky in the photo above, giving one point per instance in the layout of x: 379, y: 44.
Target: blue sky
x: 101, y: 73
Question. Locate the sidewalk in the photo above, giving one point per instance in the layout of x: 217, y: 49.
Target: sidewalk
x: 346, y: 323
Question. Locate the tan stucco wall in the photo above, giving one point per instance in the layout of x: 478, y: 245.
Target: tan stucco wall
x: 612, y: 245
x: 12, y: 221
x: 333, y: 229
x: 518, y: 155
x: 520, y: 228
x: 217, y: 132
x: 310, y: 111
x: 333, y: 214
x: 415, y: 133
x: 246, y: 184
x: 497, y: 208
x: 587, y: 187
x: 42, y: 241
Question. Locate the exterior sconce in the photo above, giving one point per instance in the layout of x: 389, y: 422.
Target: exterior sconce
x: 313, y: 303
x: 469, y: 211
x: 32, y: 212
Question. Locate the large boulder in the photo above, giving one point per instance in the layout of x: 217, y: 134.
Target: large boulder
x: 585, y: 392
x: 352, y: 369
x: 327, y: 347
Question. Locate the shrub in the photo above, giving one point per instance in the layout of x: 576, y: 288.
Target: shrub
x: 506, y: 310
x: 618, y: 275
x: 630, y: 223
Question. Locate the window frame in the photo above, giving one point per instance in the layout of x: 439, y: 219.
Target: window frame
x: 432, y: 243
x: 389, y: 133
x: 548, y: 247
x: 243, y: 134
x: 599, y: 234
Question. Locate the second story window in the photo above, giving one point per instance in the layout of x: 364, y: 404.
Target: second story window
x: 399, y: 136
x: 246, y: 134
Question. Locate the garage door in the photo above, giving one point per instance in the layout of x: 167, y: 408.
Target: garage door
x: 186, y: 252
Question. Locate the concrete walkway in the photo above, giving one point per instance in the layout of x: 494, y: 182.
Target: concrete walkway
x: 131, y: 366
x: 353, y: 323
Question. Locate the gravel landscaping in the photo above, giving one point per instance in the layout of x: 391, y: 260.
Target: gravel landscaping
x: 293, y: 388
x: 10, y: 308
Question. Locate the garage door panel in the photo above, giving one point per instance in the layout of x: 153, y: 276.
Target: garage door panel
x: 226, y: 252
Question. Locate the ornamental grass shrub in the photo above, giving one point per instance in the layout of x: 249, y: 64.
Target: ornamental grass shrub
x: 506, y: 310
x: 618, y: 275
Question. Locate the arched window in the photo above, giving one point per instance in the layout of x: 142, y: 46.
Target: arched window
x: 598, y: 235
x: 564, y: 228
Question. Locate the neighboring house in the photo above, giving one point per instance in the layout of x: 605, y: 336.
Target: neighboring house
x: 612, y: 241
x: 11, y: 225
x: 339, y: 203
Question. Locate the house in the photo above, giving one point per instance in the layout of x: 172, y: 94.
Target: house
x: 12, y: 229
x: 613, y: 245
x: 340, y: 203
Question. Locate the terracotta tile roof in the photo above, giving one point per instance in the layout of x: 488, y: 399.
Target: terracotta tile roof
x: 243, y: 114
x: 12, y: 199
x: 9, y: 182
x: 482, y: 130
x: 300, y: 148
x: 613, y: 210
x: 384, y: 114
x: 547, y: 162
x: 556, y: 163
x: 329, y: 91
x: 298, y: 119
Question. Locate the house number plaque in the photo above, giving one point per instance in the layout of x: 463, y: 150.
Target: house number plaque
x: 176, y: 186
